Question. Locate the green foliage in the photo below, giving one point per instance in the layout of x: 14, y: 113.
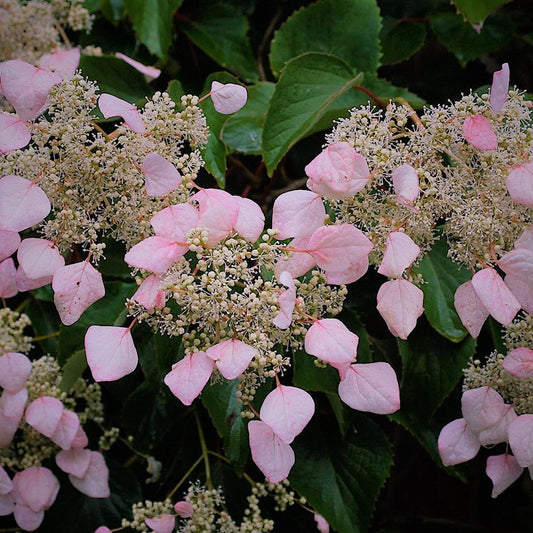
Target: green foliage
x: 477, y: 11
x: 400, y: 39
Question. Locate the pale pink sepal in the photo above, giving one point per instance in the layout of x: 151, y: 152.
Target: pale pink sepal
x: 287, y: 410
x: 76, y: 287
x: 149, y: 295
x: 470, y: 309
x: 499, y: 90
x: 155, y: 254
x: 231, y: 357
x: 406, y: 185
x: 150, y: 73
x: 184, y: 509
x: 353, y: 272
x: 22, y: 203
x: 15, y: 369
x: 8, y: 428
x: 400, y: 252
x: 7, y: 504
x: 400, y: 303
x: 495, y: 296
x: 44, y: 414
x: 103, y: 529
x: 250, y: 219
x: 27, y: 519
x: 299, y: 263
x: 66, y: 430
x: 14, y: 133
x: 189, y: 376
x: 526, y: 239
x: 26, y: 284
x: 175, y: 222
x: 74, y: 461
x: 36, y: 487
x: 519, y: 362
x: 518, y: 263
x: 110, y: 352
x: 321, y: 524
x: 297, y: 214
x: 6, y: 485
x: 160, y: 176
x: 8, y: 279
x: 163, y: 523
x: 272, y: 456
x: 12, y: 404
x: 111, y: 106
x: 521, y: 439
x: 39, y: 258
x: 228, y: 97
x: 337, y: 172
x: 80, y: 440
x: 522, y: 291
x: 95, y: 482
x: 503, y: 470
x: 519, y: 183
x: 482, y: 408
x: 479, y: 133
x: 26, y: 87
x: 62, y: 62
x: 286, y: 302
x: 499, y: 431
x: 457, y: 443
x: 9, y: 242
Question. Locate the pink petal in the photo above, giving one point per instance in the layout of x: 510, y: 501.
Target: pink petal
x: 76, y: 287
x: 80, y: 440
x: 287, y: 410
x: 352, y: 273
x: 470, y: 309
x: 66, y: 430
x: 499, y: 431
x: 8, y: 280
x: 371, y: 387
x: 406, y: 184
x: 321, y: 524
x: 7, y: 505
x: 150, y: 73
x: 400, y: 303
x: 9, y: 242
x: 522, y: 291
x: 482, y: 408
x: 26, y: 284
x: 400, y: 252
x: 8, y: 428
x: 22, y: 203
x: 149, y: 295
x: 175, y: 222
x: 297, y: 214
x: 35, y: 487
x: 519, y: 362
x: 286, y: 301
x: 231, y: 357
x: 5, y: 482
x: 110, y: 352
x: 503, y: 471
x: 44, y: 414
x: 272, y: 456
x: 229, y: 97
x: 27, y: 519
x: 518, y: 263
x: 164, y: 523
x: 526, y: 239
x: 62, y: 62
x: 160, y: 176
x: 189, y: 376
x: 95, y: 481
x: 103, y: 529
x: 184, y: 509
x: 155, y: 254
x: 15, y: 369
x: 331, y: 341
x: 12, y: 404
x: 519, y: 183
x: 39, y: 258
x: 478, y: 132
x: 497, y: 299
x: 299, y: 263
x: 111, y: 106
x: 250, y: 220
x: 14, y: 133
x: 26, y: 87
x: 74, y: 461
x: 337, y: 172
x: 457, y: 443
x: 521, y: 439
x: 499, y: 90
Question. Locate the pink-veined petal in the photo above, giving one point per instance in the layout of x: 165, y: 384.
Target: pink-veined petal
x: 111, y: 106
x: 35, y: 487
x: 160, y: 176
x: 250, y: 219
x: 287, y: 410
x: 321, y: 524
x: 457, y: 443
x: 286, y: 301
x: 26, y: 284
x: 519, y: 362
x: 184, y: 509
x: 62, y: 62
x: 231, y: 357
x: 499, y: 90
x: 519, y: 183
x: 39, y: 258
x: 400, y: 252
x: 522, y: 291
x: 299, y: 263
x: 12, y: 404
x: 479, y: 133
x: 8, y: 428
x: 27, y: 519
x: 521, y: 439
x: 400, y: 303
x: 155, y: 254
x: 44, y: 414
x: 15, y: 369
x: 8, y: 279
x: 355, y: 270
x: 406, y: 184
x: 149, y: 295
x: 74, y: 461
x: 163, y: 523
x: 103, y: 529
x: 175, y: 222
x: 95, y: 481
x: 5, y: 482
x: 526, y: 239
x: 110, y: 352
x: 272, y: 456
x: 228, y: 97
x: 499, y: 431
x: 7, y: 504
x: 503, y: 470
x: 189, y: 376
x: 150, y: 73
x: 14, y: 133
x: 22, y: 203
x: 518, y: 263
x: 9, y: 242
x: 482, y: 408
x: 470, y: 309
x: 80, y: 440
x: 66, y: 430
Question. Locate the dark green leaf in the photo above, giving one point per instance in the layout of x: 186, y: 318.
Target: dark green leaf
x: 443, y: 276
x: 112, y: 9
x: 175, y: 90
x: 310, y: 377
x: 477, y: 11
x: 307, y: 86
x: 341, y: 478
x: 221, y: 32
x: 73, y: 369
x: 400, y: 40
x: 45, y: 323
x: 348, y: 29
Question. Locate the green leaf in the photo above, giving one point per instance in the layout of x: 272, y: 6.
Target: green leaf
x: 153, y: 23
x: 310, y: 377
x: 243, y: 130
x: 73, y: 369
x: 221, y: 32
x: 400, y: 39
x: 112, y: 10
x: 175, y: 90
x: 464, y: 42
x: 443, y: 276
x: 477, y: 11
x: 116, y: 77
x: 341, y: 478
x: 44, y: 322
x: 307, y: 86
x: 348, y: 29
